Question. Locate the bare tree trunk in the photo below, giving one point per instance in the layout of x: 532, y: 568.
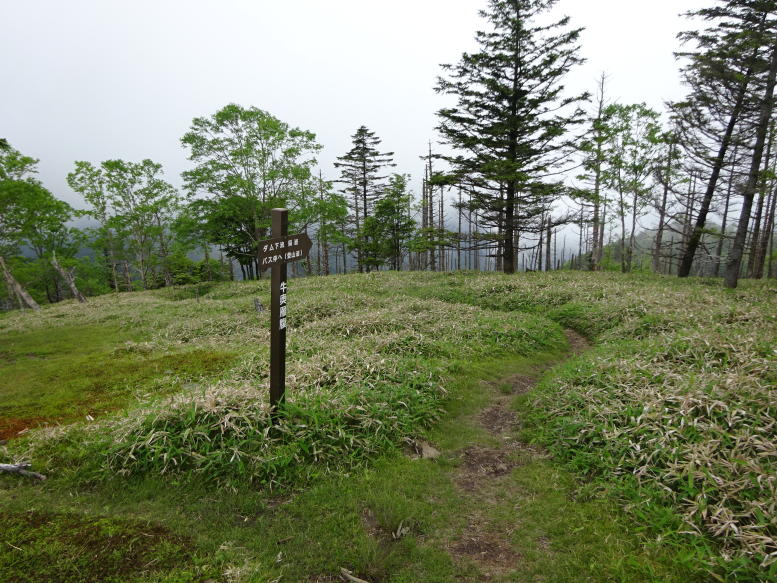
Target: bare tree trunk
x: 325, y: 256
x: 163, y: 253
x: 500, y: 256
x: 767, y: 106
x: 208, y: 272
x: 548, y: 263
x: 441, y: 221
x: 719, y: 251
x: 475, y: 246
x: 758, y: 272
x: 662, y: 212
x: 597, y: 232
x: 759, y: 213
x: 632, y: 234
x: 13, y: 294
x: 127, y: 278
x: 538, y: 265
x: 622, y: 214
x: 600, y: 252
x: 17, y: 287
x: 69, y: 279
x: 458, y: 236
x: 693, y: 242
x: 430, y: 212
x: 770, y: 272
x: 430, y: 216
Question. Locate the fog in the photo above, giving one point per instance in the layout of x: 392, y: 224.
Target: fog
x: 94, y: 80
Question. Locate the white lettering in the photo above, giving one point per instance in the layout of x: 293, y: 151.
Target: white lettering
x: 282, y: 324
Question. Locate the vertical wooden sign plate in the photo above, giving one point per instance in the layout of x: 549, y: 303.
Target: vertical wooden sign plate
x: 276, y: 252
x: 280, y: 227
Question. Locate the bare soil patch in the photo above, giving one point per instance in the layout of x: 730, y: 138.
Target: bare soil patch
x: 480, y: 464
x: 520, y: 383
x: 488, y: 549
x: 577, y: 342
x: 370, y: 524
x: 498, y: 419
x: 11, y: 427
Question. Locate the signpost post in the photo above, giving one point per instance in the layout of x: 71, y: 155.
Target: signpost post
x: 276, y: 252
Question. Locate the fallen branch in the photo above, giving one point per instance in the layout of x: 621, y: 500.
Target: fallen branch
x: 347, y: 574
x: 22, y: 470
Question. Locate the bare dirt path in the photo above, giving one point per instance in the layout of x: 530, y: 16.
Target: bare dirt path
x: 483, y: 467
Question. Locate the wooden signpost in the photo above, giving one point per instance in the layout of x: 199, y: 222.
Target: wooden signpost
x: 276, y: 252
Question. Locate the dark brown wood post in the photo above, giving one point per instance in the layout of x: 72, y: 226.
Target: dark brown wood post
x: 280, y: 226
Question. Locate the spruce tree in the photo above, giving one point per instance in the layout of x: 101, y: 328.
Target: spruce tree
x: 766, y: 110
x: 510, y: 124
x: 722, y: 73
x: 360, y: 172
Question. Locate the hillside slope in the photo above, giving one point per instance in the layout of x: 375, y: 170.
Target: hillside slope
x: 674, y: 411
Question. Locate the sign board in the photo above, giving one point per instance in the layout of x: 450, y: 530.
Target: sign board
x: 285, y: 249
x: 276, y: 252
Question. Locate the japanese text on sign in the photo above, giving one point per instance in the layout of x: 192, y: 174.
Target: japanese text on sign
x: 282, y: 319
x: 280, y: 250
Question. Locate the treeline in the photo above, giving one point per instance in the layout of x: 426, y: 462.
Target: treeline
x: 714, y: 159
x: 521, y: 162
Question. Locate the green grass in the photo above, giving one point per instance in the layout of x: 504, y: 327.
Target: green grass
x: 673, y: 413
x: 345, y: 520
x: 632, y: 494
x: 65, y: 374
x: 69, y: 548
x: 364, y: 371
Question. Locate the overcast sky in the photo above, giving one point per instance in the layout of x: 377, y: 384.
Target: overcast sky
x: 101, y: 79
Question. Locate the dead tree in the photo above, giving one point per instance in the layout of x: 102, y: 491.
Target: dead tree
x: 69, y: 278
x: 19, y: 291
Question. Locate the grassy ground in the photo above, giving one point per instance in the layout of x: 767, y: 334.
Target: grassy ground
x: 192, y: 532
x: 674, y: 412
x: 376, y: 360
x: 88, y: 370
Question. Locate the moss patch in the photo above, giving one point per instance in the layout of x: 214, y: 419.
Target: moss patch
x: 69, y: 372
x: 69, y: 548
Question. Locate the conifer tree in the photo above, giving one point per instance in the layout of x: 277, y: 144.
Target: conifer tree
x: 722, y: 74
x: 361, y: 169
x: 510, y: 124
x: 766, y: 109
x: 388, y: 232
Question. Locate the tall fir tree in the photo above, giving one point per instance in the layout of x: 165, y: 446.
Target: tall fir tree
x: 511, y: 123
x: 722, y: 73
x: 360, y: 171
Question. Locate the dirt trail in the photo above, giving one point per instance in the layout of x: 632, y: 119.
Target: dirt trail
x: 481, y: 469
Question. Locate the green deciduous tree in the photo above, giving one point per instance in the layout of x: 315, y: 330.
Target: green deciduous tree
x: 331, y: 211
x: 632, y: 153
x: 31, y: 216
x: 594, y: 161
x: 248, y: 162
x: 14, y: 165
x: 135, y: 208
